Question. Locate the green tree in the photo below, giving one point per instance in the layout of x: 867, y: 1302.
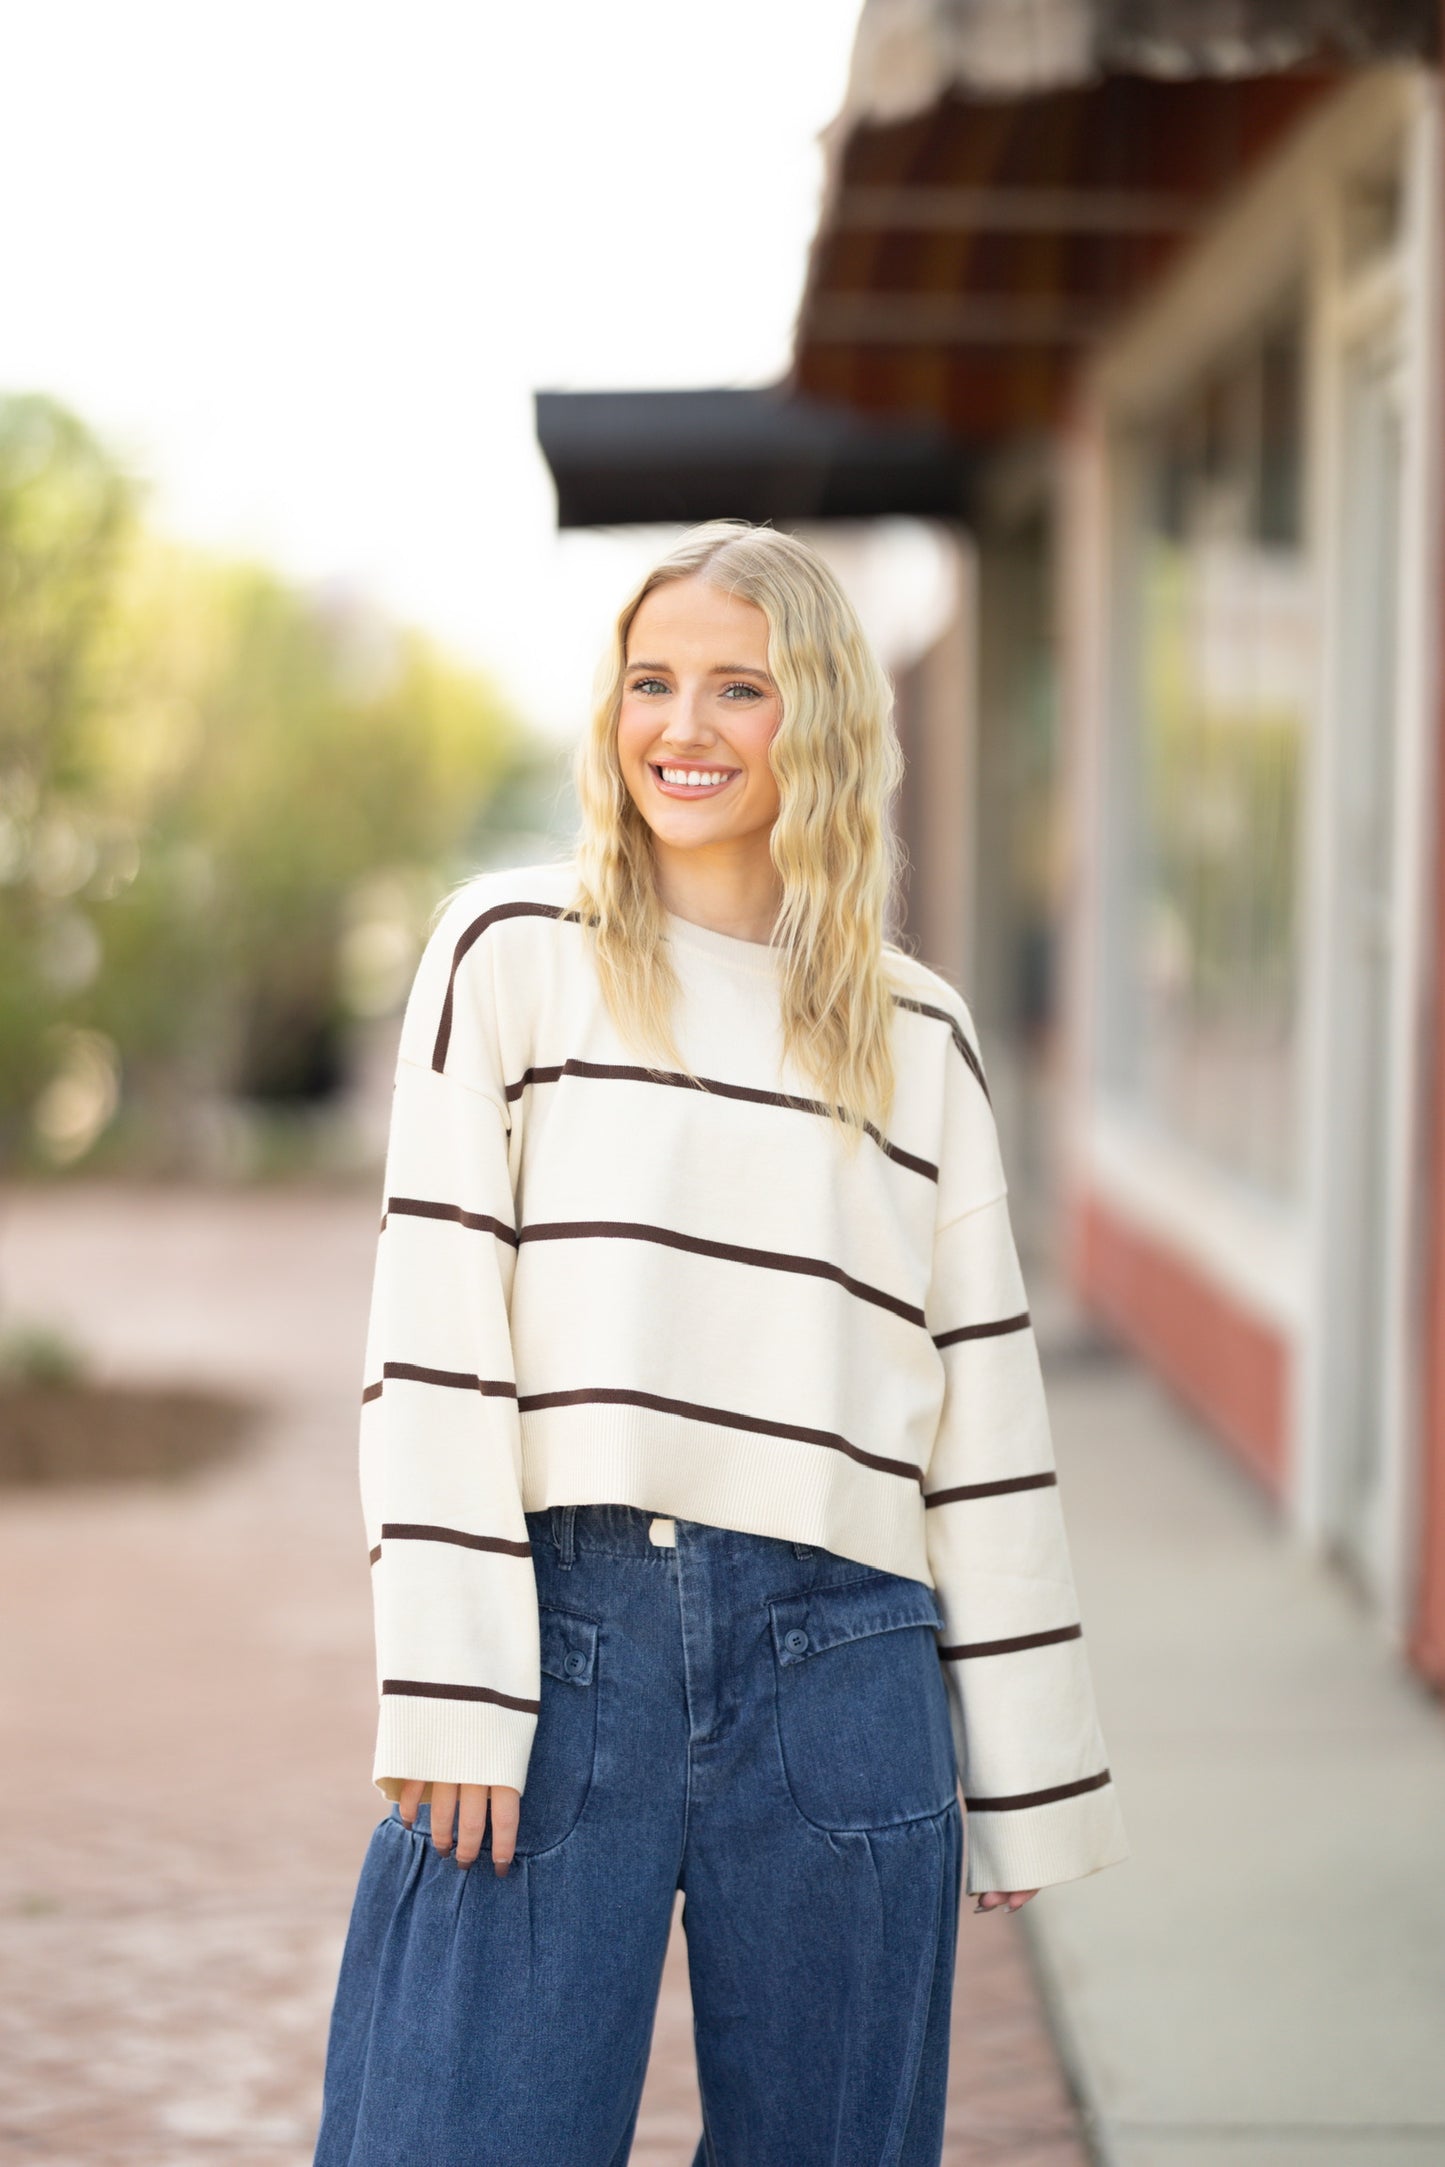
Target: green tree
x: 67, y: 513
x: 200, y: 764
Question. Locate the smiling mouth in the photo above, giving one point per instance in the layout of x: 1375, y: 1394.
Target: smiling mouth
x: 691, y: 782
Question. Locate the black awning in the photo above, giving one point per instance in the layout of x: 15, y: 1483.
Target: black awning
x: 628, y: 458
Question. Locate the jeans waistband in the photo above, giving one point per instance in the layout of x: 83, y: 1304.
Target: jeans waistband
x: 626, y: 1531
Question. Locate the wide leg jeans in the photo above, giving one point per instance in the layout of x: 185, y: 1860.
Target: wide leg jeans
x: 759, y: 1723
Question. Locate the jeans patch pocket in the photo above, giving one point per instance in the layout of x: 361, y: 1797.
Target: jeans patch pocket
x: 564, y: 1746
x: 862, y: 1705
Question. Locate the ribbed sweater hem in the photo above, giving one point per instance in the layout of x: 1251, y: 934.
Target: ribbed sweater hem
x: 1034, y: 1846
x: 451, y: 1742
x: 692, y: 1470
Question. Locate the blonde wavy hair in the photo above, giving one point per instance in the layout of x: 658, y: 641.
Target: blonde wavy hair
x: 838, y: 764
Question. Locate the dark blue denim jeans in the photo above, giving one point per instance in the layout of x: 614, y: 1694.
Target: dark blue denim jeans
x: 758, y: 1723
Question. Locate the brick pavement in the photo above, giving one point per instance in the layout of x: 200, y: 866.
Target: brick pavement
x: 187, y: 1701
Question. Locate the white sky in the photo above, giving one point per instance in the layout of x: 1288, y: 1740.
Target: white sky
x: 305, y: 263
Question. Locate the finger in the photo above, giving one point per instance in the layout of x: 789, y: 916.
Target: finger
x: 443, y: 1811
x: 1005, y: 1899
x: 506, y: 1813
x: 471, y: 1822
x: 410, y: 1799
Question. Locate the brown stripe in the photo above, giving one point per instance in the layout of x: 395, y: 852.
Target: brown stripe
x: 775, y: 1260
x: 373, y: 1555
x: 941, y: 1015
x: 992, y: 1489
x: 424, y: 1689
x: 1036, y: 1798
x: 560, y: 912
x: 992, y: 1330
x: 416, y: 1207
x: 474, y: 933
x: 618, y: 1396
x: 619, y: 1072
x: 463, y: 1379
x: 600, y: 1069
x: 406, y: 1531
x: 1008, y: 1647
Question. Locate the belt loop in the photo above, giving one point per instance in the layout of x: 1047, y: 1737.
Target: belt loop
x: 802, y: 1550
x: 566, y: 1537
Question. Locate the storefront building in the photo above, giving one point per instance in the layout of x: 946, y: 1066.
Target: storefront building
x: 1176, y: 805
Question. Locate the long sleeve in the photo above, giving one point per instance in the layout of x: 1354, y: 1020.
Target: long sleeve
x: 1038, y: 1792
x: 453, y: 1589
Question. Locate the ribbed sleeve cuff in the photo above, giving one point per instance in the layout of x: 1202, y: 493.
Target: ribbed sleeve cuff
x: 1029, y: 1847
x: 441, y: 1741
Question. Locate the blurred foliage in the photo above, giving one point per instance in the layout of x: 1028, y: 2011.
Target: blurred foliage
x: 207, y: 777
x: 66, y: 514
x: 41, y: 1354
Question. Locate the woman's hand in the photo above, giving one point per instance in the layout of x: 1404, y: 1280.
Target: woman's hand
x: 466, y: 1805
x: 1004, y: 1899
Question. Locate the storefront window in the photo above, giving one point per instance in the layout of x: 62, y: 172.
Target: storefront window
x: 1224, y: 630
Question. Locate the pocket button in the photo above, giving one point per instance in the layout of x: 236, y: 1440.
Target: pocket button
x: 575, y: 1663
x: 795, y: 1641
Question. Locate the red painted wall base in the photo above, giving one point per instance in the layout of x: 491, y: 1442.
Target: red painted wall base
x: 1217, y: 1355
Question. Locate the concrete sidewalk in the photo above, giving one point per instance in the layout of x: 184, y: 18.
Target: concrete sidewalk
x: 1263, y: 1983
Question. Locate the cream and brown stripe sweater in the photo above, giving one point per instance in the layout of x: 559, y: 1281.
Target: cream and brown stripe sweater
x: 598, y: 1282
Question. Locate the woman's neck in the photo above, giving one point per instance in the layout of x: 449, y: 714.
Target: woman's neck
x: 740, y: 897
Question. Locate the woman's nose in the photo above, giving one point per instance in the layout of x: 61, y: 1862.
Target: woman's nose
x: 687, y: 728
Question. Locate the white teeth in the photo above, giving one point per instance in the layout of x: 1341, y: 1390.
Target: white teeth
x: 691, y: 778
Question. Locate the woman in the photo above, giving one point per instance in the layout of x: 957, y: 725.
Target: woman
x: 705, y: 1462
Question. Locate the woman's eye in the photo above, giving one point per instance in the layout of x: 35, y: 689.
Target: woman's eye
x: 653, y: 685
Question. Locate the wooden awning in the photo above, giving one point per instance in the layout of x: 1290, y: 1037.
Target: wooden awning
x: 910, y: 54
x: 1005, y: 175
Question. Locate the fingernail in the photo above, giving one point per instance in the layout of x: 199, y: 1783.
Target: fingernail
x: 503, y: 1871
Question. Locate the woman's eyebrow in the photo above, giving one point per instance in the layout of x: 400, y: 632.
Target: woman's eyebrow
x: 719, y: 669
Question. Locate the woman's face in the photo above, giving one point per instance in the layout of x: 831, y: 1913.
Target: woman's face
x: 698, y: 712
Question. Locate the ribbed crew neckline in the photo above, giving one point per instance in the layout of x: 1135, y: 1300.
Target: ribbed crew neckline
x: 760, y: 957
